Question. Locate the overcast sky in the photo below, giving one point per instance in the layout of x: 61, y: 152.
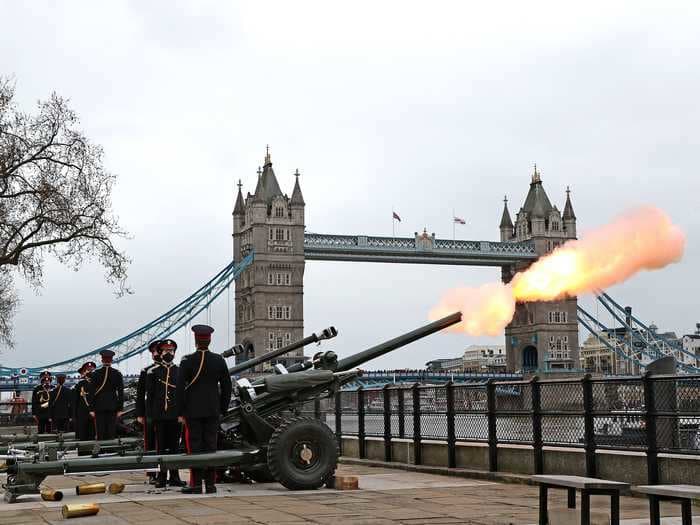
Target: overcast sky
x: 426, y: 107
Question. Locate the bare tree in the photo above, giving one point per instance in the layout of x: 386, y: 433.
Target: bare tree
x: 55, y: 199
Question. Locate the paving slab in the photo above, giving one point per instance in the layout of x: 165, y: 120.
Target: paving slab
x: 385, y: 497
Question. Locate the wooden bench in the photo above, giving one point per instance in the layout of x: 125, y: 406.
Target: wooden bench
x: 683, y: 493
x: 588, y: 488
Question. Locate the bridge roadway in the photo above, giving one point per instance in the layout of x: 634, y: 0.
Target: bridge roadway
x: 422, y: 249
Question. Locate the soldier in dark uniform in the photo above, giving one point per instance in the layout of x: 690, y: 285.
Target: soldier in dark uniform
x: 60, y: 403
x: 162, y: 407
x: 203, y: 394
x: 41, y: 403
x: 142, y: 414
x: 83, y: 422
x: 106, y: 397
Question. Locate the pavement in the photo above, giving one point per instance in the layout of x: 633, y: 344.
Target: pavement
x: 386, y: 497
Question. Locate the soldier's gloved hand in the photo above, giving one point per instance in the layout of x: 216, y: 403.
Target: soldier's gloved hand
x: 92, y: 415
x: 141, y: 420
x: 181, y: 419
x: 120, y: 413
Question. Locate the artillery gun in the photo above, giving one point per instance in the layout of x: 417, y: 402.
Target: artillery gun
x: 261, y: 433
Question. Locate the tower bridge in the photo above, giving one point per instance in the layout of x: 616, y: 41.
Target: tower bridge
x: 271, y: 246
x: 269, y: 295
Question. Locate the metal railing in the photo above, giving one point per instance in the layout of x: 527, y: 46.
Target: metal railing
x: 650, y: 414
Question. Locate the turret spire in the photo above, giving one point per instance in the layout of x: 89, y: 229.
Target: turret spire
x: 297, y: 197
x: 536, y: 175
x: 568, y: 208
x: 506, y: 222
x: 267, y: 187
x: 238, y: 208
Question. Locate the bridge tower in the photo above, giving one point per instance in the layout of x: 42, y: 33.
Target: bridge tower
x: 542, y: 335
x: 269, y: 294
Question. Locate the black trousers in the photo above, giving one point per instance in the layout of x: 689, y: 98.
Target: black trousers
x: 60, y: 424
x: 201, y: 435
x: 149, y: 435
x: 43, y: 426
x: 167, y: 441
x: 106, y: 425
x: 84, y: 427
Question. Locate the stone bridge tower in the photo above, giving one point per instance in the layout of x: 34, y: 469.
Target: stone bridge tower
x: 542, y: 335
x: 269, y: 294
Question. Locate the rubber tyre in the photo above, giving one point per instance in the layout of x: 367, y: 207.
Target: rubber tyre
x: 284, y: 458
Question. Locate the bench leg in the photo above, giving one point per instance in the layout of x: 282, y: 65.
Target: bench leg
x: 544, y: 518
x: 686, y: 512
x: 571, y: 500
x: 615, y: 508
x: 654, y: 514
x: 585, y: 508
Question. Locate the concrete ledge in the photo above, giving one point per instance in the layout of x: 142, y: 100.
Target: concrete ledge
x: 444, y: 471
x: 516, y: 462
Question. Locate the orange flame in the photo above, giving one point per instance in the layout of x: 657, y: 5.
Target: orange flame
x: 644, y: 239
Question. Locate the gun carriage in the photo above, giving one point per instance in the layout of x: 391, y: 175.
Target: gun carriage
x: 262, y: 433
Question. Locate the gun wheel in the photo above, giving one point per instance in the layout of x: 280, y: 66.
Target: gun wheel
x: 302, y: 454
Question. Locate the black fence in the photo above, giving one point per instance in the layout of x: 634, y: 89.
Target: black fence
x: 651, y: 414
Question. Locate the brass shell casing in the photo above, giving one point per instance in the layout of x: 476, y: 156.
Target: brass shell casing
x: 90, y: 488
x: 79, y: 510
x: 51, y: 495
x: 115, y: 488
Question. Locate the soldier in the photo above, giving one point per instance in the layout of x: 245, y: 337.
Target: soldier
x: 60, y: 403
x: 203, y: 394
x: 41, y: 403
x: 106, y: 392
x: 19, y: 406
x: 142, y: 414
x: 82, y: 420
x: 162, y: 407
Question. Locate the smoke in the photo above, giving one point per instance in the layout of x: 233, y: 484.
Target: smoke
x: 643, y: 239
x: 485, y: 310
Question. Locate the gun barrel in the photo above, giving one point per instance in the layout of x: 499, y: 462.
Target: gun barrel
x: 328, y: 333
x: 356, y: 360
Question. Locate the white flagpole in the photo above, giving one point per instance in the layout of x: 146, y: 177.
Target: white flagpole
x: 393, y: 223
x: 454, y: 243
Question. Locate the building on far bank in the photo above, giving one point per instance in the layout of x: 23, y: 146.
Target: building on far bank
x: 454, y: 364
x: 597, y: 357
x: 485, y: 358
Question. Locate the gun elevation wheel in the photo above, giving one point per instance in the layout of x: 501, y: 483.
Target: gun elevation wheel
x: 302, y: 454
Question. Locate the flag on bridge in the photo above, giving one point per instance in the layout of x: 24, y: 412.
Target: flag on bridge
x: 457, y: 220
x: 396, y: 216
